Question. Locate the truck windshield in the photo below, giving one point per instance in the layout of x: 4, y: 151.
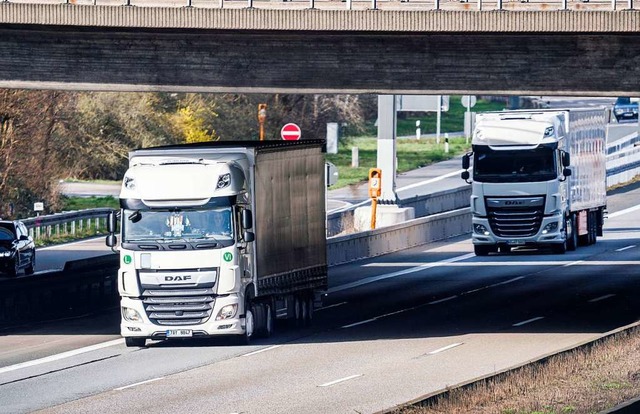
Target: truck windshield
x: 169, y: 225
x: 514, y: 165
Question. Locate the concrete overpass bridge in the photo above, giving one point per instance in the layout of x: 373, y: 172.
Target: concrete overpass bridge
x: 587, y: 50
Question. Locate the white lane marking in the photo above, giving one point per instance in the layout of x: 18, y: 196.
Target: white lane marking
x: 259, y: 351
x: 359, y: 323
x: 328, y: 384
x: 138, y: 383
x: 435, y: 302
x: 506, y: 282
x: 602, y: 298
x: 507, y: 263
x: 625, y: 211
x: 445, y: 348
x: 429, y: 181
x: 60, y: 356
x: 528, y: 321
x: 625, y: 248
x: 335, y: 305
x: 379, y: 317
x: 398, y: 273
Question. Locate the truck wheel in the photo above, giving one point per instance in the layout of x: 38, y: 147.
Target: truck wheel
x: 593, y: 228
x: 572, y: 233
x: 481, y: 250
x: 560, y: 248
x: 309, y: 310
x: 263, y: 320
x: 249, y: 325
x: 135, y: 342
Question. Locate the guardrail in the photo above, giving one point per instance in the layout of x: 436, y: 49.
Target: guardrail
x: 72, y: 223
x: 408, y: 5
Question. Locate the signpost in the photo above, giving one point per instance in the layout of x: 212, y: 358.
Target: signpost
x: 468, y: 101
x: 290, y: 132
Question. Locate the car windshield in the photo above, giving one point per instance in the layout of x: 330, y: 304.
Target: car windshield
x: 6, y: 234
x: 7, y: 231
x: 514, y: 165
x: 623, y: 101
x: 170, y: 225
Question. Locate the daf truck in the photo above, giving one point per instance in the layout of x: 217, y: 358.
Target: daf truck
x: 220, y: 238
x: 539, y: 179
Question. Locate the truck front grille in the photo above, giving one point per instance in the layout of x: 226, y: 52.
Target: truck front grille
x: 512, y: 218
x: 178, y: 306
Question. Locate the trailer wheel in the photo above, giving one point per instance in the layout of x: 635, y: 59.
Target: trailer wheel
x: 571, y: 233
x: 135, y: 342
x: 593, y: 227
x: 309, y: 306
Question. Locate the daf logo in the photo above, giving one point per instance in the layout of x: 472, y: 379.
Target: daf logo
x: 513, y: 203
x: 176, y: 278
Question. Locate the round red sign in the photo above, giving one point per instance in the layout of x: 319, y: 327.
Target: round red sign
x: 290, y: 132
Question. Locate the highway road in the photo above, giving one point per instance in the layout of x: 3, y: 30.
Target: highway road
x: 391, y: 329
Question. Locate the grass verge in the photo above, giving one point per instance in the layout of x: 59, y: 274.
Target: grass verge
x: 589, y: 379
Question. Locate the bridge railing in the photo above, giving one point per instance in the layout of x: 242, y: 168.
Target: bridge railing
x: 408, y: 5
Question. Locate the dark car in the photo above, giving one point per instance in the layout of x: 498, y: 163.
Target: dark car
x: 17, y: 249
x: 624, y: 109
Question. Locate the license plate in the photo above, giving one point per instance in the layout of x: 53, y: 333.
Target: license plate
x: 179, y: 333
x: 515, y: 242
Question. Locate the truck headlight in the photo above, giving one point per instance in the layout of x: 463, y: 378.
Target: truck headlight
x: 223, y: 181
x: 131, y: 315
x: 6, y: 254
x: 227, y: 312
x: 551, y: 227
x: 480, y: 229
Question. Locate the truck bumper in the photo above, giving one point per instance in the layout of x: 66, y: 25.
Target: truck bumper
x: 145, y: 328
x: 542, y: 238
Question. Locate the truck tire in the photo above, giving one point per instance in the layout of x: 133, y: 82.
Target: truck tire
x: 309, y: 310
x: 135, y: 342
x: 263, y: 320
x: 560, y: 248
x: 481, y: 250
x: 572, y: 233
x: 249, y: 324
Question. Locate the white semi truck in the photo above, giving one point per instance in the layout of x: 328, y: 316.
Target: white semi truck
x: 220, y: 238
x: 539, y: 179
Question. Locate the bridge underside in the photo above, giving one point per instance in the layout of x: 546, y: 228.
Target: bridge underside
x: 91, y: 58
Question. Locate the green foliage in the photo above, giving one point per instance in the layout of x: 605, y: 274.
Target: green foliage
x: 411, y: 154
x: 83, y: 203
x: 450, y: 121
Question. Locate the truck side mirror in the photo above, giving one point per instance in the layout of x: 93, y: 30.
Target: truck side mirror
x: 112, y: 222
x: 249, y: 236
x: 566, y: 172
x: 566, y: 159
x: 465, y: 175
x: 465, y: 163
x: 247, y: 219
x: 111, y: 240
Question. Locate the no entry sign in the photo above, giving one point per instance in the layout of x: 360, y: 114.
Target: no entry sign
x: 290, y: 132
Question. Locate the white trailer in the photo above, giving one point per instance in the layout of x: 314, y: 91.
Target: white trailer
x: 539, y: 179
x: 215, y: 237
